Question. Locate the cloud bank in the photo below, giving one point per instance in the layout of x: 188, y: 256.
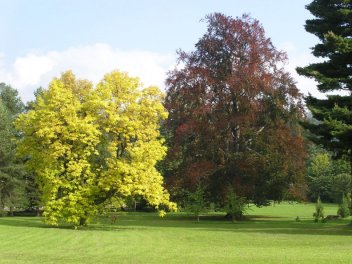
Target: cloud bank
x: 91, y: 62
x: 33, y: 70
x: 296, y: 59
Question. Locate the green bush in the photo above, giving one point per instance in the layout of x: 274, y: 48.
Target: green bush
x: 319, y: 211
x: 235, y: 206
x: 195, y: 202
x: 344, y: 210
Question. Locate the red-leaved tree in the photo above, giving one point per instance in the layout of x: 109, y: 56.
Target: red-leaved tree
x: 233, y: 115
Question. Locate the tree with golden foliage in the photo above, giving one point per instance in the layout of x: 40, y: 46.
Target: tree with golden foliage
x: 93, y: 147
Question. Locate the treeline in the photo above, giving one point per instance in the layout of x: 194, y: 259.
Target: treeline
x: 18, y: 189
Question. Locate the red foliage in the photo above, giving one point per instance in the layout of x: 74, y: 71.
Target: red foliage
x: 229, y: 93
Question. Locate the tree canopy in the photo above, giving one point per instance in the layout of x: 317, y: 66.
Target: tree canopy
x: 12, y: 185
x: 93, y: 147
x: 233, y: 114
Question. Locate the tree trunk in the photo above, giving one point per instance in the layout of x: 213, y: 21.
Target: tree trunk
x: 38, y: 211
x: 197, y: 218
x: 82, y: 221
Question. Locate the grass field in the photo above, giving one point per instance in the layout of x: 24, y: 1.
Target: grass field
x: 271, y: 235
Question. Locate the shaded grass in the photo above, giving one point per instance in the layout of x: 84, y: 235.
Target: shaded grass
x: 269, y: 235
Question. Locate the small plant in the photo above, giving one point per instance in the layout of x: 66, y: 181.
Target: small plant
x: 344, y: 210
x: 195, y: 202
x: 319, y: 211
x: 298, y: 219
x: 235, y: 205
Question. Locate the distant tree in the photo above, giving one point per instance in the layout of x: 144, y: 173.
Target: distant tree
x: 12, y: 183
x: 196, y: 202
x: 326, y: 177
x: 91, y: 147
x: 344, y: 207
x: 233, y: 115
x: 235, y: 206
x: 11, y: 99
x: 332, y: 25
x: 319, y: 173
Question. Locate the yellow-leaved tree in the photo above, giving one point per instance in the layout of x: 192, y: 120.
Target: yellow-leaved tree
x: 93, y: 147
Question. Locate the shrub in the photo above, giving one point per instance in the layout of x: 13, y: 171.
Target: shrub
x: 235, y: 206
x: 344, y: 210
x: 195, y: 202
x: 319, y: 211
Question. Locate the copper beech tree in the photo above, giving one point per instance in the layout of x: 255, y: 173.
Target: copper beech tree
x: 233, y: 115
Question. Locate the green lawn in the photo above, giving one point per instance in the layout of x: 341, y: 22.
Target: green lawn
x: 270, y: 236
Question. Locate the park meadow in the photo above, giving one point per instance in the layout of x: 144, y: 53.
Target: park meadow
x: 269, y: 235
x: 228, y: 163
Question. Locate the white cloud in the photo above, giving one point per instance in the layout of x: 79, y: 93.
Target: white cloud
x: 296, y: 59
x: 89, y: 62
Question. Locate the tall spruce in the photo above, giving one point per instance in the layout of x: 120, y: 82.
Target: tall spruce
x: 332, y: 25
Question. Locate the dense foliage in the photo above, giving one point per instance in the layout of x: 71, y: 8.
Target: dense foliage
x: 12, y: 175
x: 327, y: 177
x: 233, y: 115
x: 93, y: 147
x: 332, y: 25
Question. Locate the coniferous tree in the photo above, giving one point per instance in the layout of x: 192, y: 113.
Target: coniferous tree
x: 332, y: 25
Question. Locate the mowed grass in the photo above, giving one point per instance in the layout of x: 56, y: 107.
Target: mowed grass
x: 270, y: 235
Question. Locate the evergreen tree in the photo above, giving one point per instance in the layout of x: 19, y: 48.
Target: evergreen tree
x: 332, y: 25
x: 344, y: 209
x: 12, y: 182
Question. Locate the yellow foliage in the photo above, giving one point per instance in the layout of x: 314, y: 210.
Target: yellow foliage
x: 89, y: 146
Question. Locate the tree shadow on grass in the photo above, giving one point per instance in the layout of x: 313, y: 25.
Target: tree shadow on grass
x: 252, y: 224
x: 37, y: 222
x: 30, y: 222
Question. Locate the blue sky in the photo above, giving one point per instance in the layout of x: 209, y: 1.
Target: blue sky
x: 40, y: 39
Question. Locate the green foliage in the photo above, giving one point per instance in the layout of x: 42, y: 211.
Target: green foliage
x: 331, y: 24
x: 235, y: 206
x: 12, y: 174
x: 195, y: 202
x: 11, y: 100
x: 327, y: 177
x: 344, y: 207
x: 91, y: 147
x: 319, y: 211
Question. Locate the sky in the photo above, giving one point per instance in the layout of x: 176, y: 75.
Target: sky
x: 40, y: 39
